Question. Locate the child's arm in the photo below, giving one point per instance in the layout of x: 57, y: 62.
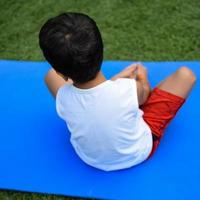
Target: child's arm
x: 54, y: 81
x: 138, y: 72
x: 128, y: 72
x: 143, y: 86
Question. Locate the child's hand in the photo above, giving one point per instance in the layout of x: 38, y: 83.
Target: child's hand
x: 128, y: 72
x: 141, y: 73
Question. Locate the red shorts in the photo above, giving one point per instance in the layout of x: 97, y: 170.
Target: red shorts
x: 159, y: 109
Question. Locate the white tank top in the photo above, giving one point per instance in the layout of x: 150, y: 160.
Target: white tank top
x: 106, y: 124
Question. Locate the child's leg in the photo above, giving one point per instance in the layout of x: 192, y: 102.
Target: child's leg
x: 180, y: 83
x: 54, y: 81
x: 165, y: 100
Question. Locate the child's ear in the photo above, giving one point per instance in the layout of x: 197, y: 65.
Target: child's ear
x: 64, y: 77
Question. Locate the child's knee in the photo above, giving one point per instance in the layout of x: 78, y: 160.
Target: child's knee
x: 48, y: 76
x: 186, y: 74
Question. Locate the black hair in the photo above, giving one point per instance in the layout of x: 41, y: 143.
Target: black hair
x: 72, y: 44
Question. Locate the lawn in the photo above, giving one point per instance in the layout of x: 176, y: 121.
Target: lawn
x: 140, y: 30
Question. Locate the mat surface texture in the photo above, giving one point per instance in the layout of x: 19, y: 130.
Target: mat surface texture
x: 36, y: 154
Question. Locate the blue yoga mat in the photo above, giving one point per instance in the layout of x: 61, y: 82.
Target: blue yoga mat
x: 36, y: 155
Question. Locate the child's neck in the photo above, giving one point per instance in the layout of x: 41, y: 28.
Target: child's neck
x: 100, y: 78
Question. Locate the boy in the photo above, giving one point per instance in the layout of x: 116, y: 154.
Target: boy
x: 114, y: 124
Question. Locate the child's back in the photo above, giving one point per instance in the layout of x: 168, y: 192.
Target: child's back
x: 107, y: 128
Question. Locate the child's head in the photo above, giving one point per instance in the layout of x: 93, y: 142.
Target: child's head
x: 72, y: 44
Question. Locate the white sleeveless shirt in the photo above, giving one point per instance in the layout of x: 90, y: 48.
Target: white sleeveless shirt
x: 106, y: 124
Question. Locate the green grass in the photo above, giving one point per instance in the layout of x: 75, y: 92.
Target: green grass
x: 132, y: 30
x: 11, y: 195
